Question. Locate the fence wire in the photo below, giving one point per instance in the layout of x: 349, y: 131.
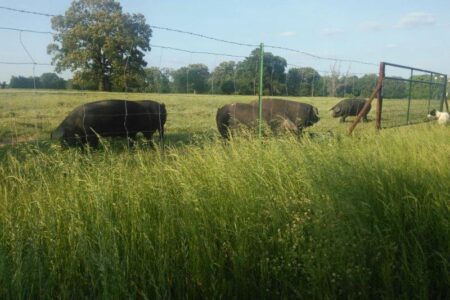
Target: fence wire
x: 321, y: 83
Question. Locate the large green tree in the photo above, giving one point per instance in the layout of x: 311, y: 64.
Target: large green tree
x: 52, y: 81
x: 303, y: 82
x: 346, y: 86
x: 274, y: 77
x: 222, y: 80
x: 191, y: 79
x: 100, y: 44
x: 157, y: 80
x: 365, y: 85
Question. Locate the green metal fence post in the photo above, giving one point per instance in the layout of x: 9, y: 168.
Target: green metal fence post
x: 409, y: 97
x: 261, y: 70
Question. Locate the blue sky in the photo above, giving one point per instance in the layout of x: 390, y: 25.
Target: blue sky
x: 414, y: 33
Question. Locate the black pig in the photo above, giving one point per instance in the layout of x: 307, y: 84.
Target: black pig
x: 349, y: 107
x: 277, y: 113
x: 111, y: 118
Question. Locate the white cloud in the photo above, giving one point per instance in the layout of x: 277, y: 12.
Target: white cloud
x: 390, y: 46
x: 288, y: 33
x: 416, y: 19
x: 371, y: 26
x: 331, y: 31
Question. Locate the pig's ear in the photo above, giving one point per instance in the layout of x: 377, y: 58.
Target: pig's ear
x: 337, y: 109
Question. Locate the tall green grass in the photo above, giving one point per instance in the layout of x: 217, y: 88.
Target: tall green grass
x: 341, y: 217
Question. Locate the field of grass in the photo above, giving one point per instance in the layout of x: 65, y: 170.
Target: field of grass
x: 395, y: 111
x: 334, y: 216
x: 27, y: 115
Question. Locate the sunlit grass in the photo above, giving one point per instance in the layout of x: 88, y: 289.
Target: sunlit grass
x: 332, y: 217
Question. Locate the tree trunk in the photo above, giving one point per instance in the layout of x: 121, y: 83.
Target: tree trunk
x: 105, y: 80
x: 105, y: 84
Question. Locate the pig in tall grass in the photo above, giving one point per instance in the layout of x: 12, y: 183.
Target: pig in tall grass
x: 349, y: 107
x: 278, y: 114
x: 111, y: 118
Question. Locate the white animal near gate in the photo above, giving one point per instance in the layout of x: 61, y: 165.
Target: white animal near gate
x: 442, y: 117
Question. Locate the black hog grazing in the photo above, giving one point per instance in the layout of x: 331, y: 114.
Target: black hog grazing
x: 230, y: 116
x: 349, y: 107
x: 111, y: 118
x: 279, y: 114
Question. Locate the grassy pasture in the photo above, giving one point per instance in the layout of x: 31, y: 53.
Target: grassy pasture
x: 366, y: 216
x: 395, y: 111
x: 27, y: 115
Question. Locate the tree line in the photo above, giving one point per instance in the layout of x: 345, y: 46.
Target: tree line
x: 242, y: 78
x: 104, y: 48
x: 45, y: 81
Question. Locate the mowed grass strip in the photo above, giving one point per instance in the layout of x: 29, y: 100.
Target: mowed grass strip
x: 334, y: 217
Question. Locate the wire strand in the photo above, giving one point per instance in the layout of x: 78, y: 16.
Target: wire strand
x: 322, y: 57
x: 27, y: 11
x: 197, y: 52
x: 219, y: 40
x: 203, y: 36
x: 24, y: 63
x: 325, y: 72
x: 25, y: 30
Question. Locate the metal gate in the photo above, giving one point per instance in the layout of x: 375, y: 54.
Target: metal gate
x: 405, y: 95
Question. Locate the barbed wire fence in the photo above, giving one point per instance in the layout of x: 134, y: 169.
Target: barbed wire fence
x: 189, y: 67
x: 316, y: 83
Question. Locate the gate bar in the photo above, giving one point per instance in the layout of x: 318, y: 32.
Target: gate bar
x: 415, y: 69
x: 376, y: 92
